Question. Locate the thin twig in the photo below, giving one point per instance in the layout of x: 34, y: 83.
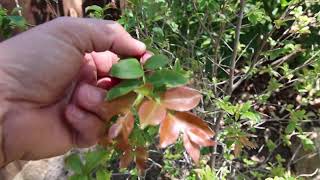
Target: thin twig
x: 232, y: 67
x: 235, y: 47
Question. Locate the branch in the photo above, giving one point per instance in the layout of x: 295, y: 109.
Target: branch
x: 232, y: 67
x: 235, y: 47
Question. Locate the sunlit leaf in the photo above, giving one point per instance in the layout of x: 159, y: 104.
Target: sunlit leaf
x: 123, y: 88
x: 192, y: 148
x: 156, y: 61
x: 151, y: 113
x: 181, y: 98
x: 200, y: 138
x: 127, y: 69
x: 196, y: 132
x: 169, y: 131
x: 166, y: 77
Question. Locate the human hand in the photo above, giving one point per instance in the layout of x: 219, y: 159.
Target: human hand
x: 50, y: 88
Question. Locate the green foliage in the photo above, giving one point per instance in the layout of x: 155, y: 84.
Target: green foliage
x: 10, y: 22
x: 127, y: 69
x: 156, y: 61
x: 276, y: 79
x: 123, y: 88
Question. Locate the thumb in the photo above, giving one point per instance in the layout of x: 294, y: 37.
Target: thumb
x: 96, y: 35
x: 89, y: 98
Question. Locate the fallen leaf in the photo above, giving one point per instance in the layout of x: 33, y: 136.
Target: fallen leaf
x: 181, y: 98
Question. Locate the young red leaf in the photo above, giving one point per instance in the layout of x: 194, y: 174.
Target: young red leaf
x: 141, y: 158
x: 124, y: 125
x: 151, y: 113
x: 190, y: 121
x: 200, y: 138
x: 169, y: 131
x: 181, y: 98
x: 126, y: 158
x: 192, y: 148
x: 120, y: 105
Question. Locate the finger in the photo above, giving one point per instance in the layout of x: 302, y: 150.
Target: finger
x: 87, y: 127
x: 145, y: 57
x: 89, y: 35
x: 107, y: 82
x: 89, y: 97
x: 88, y: 72
x: 104, y: 61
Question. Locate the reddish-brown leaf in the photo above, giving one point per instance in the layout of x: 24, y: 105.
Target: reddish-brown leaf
x: 237, y: 149
x: 169, y: 131
x: 126, y: 158
x: 247, y: 143
x: 151, y: 113
x: 141, y: 158
x: 124, y: 125
x: 200, y: 138
x: 181, y: 98
x: 192, y: 148
x: 121, y: 105
x: 188, y: 121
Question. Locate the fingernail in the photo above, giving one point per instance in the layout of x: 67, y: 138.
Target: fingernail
x: 76, y: 113
x: 141, y: 45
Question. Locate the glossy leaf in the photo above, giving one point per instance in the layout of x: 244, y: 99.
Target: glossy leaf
x: 169, y: 131
x: 123, y: 88
x: 196, y: 132
x: 151, y: 113
x: 120, y: 105
x: 192, y: 148
x: 181, y: 98
x: 166, y: 77
x: 156, y: 61
x: 127, y: 69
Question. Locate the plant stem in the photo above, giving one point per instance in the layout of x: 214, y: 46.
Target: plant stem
x: 231, y: 76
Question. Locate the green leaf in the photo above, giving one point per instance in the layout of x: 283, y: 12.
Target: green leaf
x: 307, y: 143
x: 156, y: 62
x: 166, y: 77
x: 103, y: 175
x: 18, y: 21
x: 251, y: 115
x: 123, y: 88
x: 94, y: 159
x: 78, y: 177
x: 74, y: 163
x: 94, y: 8
x: 127, y: 69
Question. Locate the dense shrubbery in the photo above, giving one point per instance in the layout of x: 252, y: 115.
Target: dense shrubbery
x: 256, y: 64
